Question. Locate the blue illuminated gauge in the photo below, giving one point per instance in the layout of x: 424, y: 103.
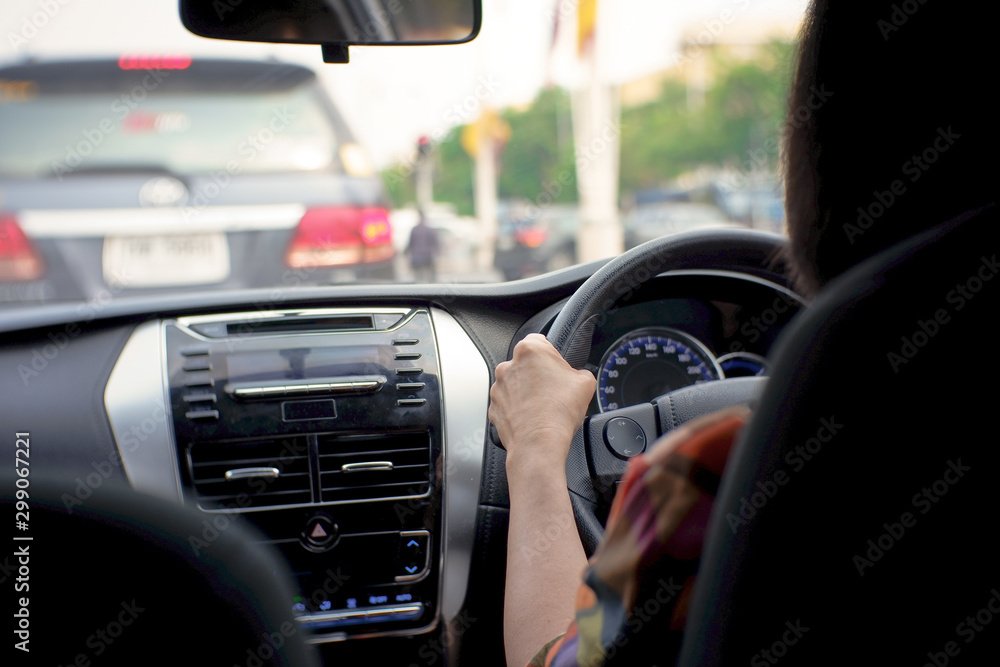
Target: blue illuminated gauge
x: 743, y: 365
x: 647, y: 363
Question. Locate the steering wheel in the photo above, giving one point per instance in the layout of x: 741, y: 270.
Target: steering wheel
x: 591, y: 468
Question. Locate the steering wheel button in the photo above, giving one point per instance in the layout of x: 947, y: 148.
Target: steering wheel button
x: 624, y: 437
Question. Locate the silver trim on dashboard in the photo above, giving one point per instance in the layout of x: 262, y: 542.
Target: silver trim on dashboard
x: 135, y: 400
x: 366, y: 466
x: 252, y: 473
x: 465, y: 390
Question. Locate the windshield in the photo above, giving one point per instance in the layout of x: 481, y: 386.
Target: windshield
x: 139, y: 160
x: 181, y: 133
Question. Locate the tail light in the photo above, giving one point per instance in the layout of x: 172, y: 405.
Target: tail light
x: 154, y: 61
x: 19, y: 260
x: 337, y: 236
x: 531, y: 237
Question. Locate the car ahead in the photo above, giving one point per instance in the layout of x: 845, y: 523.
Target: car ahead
x: 155, y: 174
x: 530, y: 246
x: 650, y: 221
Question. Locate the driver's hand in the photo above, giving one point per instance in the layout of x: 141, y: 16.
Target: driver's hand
x: 538, y: 402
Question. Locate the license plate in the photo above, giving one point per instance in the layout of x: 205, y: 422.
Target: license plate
x: 161, y: 261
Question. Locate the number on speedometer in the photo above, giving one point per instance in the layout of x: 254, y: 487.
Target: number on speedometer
x: 647, y: 363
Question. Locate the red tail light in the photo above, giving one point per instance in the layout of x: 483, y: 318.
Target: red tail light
x: 153, y: 61
x: 531, y: 237
x: 336, y: 236
x: 19, y: 260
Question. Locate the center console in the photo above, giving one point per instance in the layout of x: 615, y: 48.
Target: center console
x: 327, y: 431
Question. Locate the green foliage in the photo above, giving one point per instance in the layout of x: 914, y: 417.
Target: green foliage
x: 453, y: 173
x: 540, y: 152
x: 400, y: 186
x: 741, y: 117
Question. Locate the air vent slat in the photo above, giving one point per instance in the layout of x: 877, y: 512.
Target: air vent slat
x: 210, y: 461
x: 374, y: 451
x: 250, y: 462
x: 409, y: 454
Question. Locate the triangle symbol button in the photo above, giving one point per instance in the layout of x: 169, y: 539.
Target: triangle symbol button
x: 318, y: 533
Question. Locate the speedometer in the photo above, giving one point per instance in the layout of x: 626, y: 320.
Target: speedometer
x: 647, y: 363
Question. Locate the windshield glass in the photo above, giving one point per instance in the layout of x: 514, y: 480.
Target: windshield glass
x: 137, y: 159
x: 182, y: 133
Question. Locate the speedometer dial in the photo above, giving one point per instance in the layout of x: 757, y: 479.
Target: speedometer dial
x: 647, y: 363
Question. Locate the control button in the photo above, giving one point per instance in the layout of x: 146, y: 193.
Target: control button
x: 196, y: 351
x: 624, y: 437
x: 199, y: 381
x: 200, y: 398
x: 414, y: 550
x: 409, y: 371
x: 202, y: 415
x: 410, y: 402
x: 197, y: 366
x: 320, y: 533
x: 405, y: 341
x: 410, y: 386
x: 406, y: 356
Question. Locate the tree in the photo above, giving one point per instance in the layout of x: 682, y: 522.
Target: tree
x: 741, y: 116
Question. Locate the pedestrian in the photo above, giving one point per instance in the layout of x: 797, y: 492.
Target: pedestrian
x: 423, y: 250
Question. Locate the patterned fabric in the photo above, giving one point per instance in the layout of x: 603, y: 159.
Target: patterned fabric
x: 641, y: 577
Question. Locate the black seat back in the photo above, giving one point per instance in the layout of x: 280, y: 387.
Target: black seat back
x: 856, y: 520
x: 120, y: 578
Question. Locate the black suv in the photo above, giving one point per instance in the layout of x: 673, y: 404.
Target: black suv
x: 159, y: 173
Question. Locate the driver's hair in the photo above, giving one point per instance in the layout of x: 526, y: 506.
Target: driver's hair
x: 891, y: 127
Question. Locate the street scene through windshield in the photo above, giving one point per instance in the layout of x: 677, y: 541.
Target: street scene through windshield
x: 139, y: 160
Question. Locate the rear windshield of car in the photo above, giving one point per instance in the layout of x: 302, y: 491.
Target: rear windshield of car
x: 61, y: 134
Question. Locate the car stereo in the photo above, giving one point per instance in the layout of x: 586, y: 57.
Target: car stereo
x: 323, y: 430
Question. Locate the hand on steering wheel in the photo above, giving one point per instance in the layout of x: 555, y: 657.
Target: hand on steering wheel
x: 538, y: 402
x: 590, y: 468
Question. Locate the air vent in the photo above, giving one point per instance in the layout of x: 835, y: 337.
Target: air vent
x: 370, y: 467
x: 251, y: 473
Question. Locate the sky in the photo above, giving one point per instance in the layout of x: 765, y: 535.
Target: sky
x: 392, y: 95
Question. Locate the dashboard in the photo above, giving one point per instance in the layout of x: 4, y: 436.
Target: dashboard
x: 348, y: 425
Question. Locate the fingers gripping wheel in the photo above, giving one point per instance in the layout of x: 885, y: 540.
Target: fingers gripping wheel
x: 590, y: 481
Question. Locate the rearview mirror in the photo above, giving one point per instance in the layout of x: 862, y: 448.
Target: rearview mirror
x: 336, y: 24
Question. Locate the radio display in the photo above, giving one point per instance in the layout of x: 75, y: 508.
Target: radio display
x: 304, y: 362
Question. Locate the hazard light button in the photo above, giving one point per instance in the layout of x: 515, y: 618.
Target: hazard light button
x: 320, y: 533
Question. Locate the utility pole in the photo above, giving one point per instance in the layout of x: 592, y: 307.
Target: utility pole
x: 597, y: 133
